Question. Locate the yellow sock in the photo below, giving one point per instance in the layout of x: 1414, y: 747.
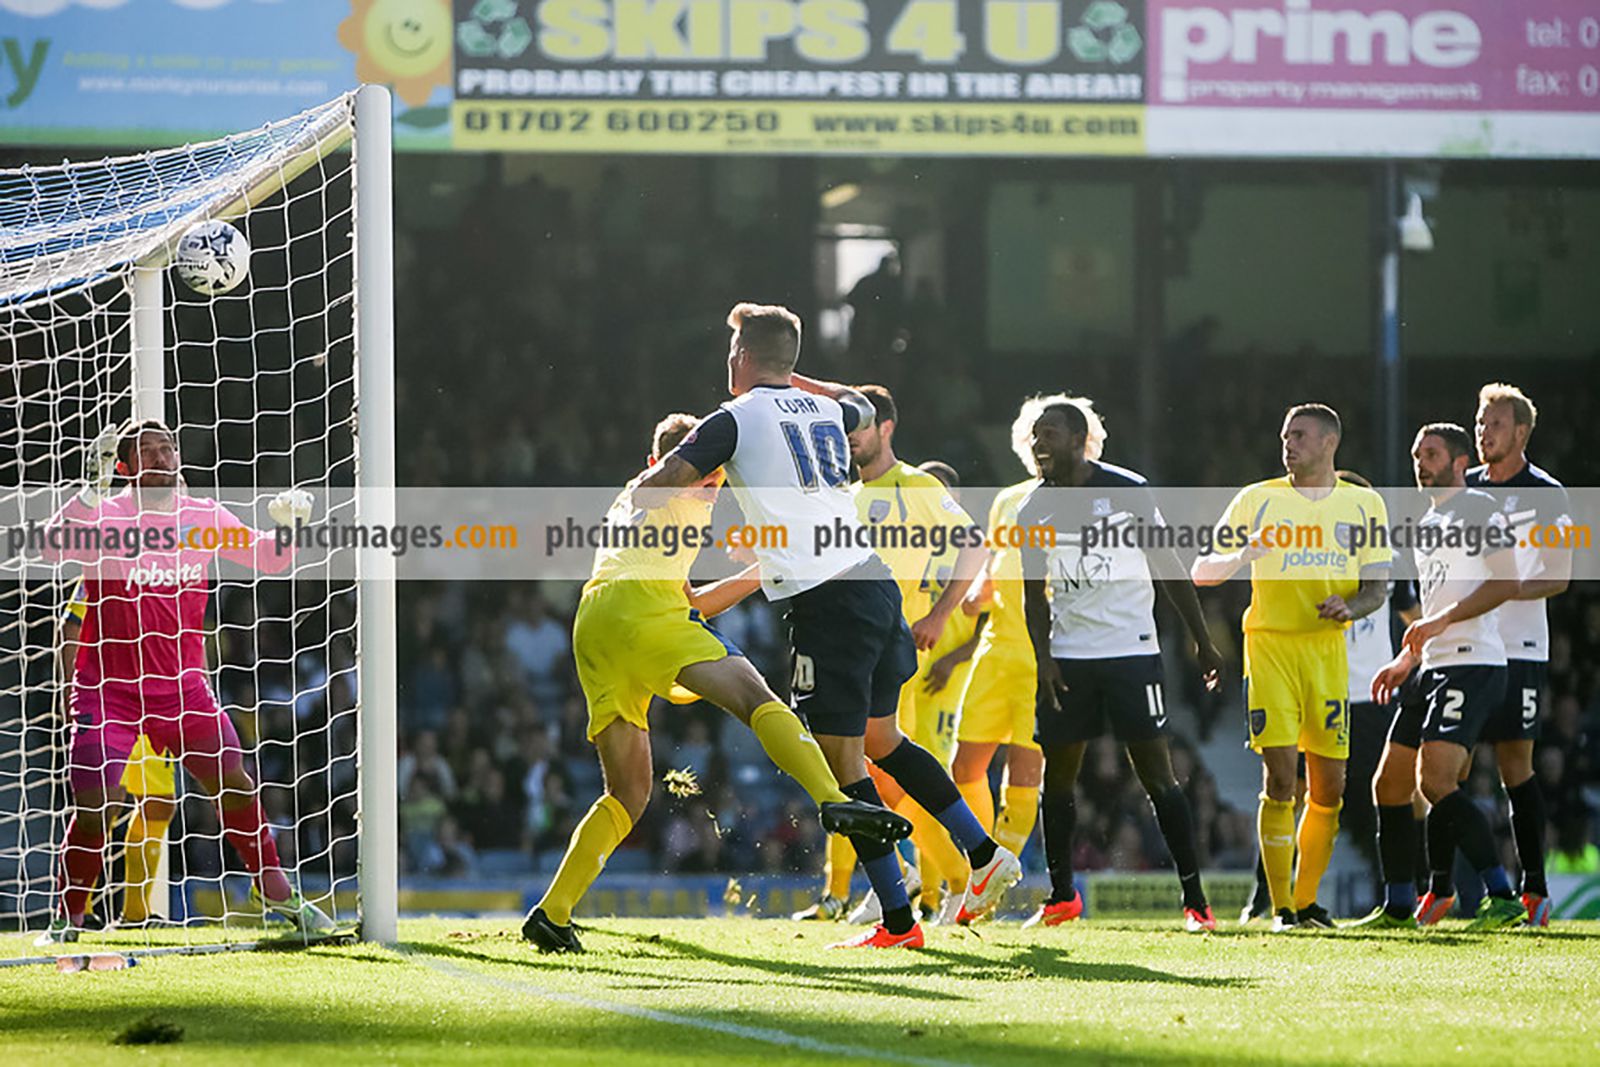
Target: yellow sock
x: 141, y: 856
x: 840, y: 865
x: 595, y: 838
x: 979, y: 799
x: 933, y: 841
x: 1018, y: 813
x: 1275, y: 828
x: 1319, y: 826
x: 790, y: 745
x: 927, y: 866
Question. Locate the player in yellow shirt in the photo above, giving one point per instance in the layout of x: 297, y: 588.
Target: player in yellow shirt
x: 640, y: 632
x: 150, y: 781
x: 937, y: 693
x: 997, y: 705
x: 1315, y: 566
x: 929, y: 706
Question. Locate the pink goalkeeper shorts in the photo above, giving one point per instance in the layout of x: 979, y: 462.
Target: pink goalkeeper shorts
x: 108, y: 719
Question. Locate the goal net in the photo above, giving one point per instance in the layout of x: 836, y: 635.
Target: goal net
x: 259, y: 386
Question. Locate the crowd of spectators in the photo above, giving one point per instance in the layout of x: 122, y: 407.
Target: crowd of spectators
x: 495, y: 766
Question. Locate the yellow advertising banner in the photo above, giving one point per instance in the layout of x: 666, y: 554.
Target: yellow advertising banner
x: 804, y: 127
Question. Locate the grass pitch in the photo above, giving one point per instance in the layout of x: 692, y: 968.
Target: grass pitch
x: 746, y: 991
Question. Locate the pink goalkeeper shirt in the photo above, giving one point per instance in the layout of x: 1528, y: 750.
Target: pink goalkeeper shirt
x: 145, y: 618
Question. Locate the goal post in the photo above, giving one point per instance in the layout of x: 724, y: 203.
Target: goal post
x: 379, y: 881
x: 285, y: 382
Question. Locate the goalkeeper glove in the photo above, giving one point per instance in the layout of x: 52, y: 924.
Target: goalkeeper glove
x: 291, y: 508
x: 99, y: 465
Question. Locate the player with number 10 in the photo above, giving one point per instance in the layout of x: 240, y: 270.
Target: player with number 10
x: 782, y: 441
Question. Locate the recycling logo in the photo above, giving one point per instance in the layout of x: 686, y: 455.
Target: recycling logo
x: 1104, y: 33
x: 493, y: 28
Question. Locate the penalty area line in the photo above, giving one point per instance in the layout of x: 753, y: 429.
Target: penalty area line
x: 749, y: 1033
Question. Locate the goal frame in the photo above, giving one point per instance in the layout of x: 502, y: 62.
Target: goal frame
x: 371, y: 145
x: 378, y: 870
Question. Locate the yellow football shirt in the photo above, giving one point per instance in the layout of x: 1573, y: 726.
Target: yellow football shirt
x: 655, y: 548
x: 1008, y: 624
x: 915, y: 518
x: 1310, y: 550
x: 77, y: 607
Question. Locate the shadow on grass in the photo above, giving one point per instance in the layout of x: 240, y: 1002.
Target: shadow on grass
x: 1024, y: 963
x: 801, y: 975
x: 1031, y: 961
x: 1046, y: 962
x: 1409, y: 938
x: 1561, y: 935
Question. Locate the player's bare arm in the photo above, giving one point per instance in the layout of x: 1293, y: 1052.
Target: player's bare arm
x: 1036, y: 608
x: 1502, y: 585
x: 1552, y: 577
x: 981, y: 593
x: 939, y: 670
x: 1369, y: 597
x: 1218, y: 568
x: 866, y: 414
x: 969, y: 561
x: 660, y: 481
x: 1392, y: 676
x: 1180, y: 593
x: 713, y: 598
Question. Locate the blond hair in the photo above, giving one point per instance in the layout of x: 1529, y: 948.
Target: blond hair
x: 670, y: 432
x: 1522, y: 410
x: 1033, y: 407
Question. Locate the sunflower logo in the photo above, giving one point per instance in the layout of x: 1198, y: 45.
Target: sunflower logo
x: 403, y: 43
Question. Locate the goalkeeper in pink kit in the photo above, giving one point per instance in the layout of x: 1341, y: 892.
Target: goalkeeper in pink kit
x: 141, y: 665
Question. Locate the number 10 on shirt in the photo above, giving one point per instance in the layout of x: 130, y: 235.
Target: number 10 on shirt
x: 826, y: 452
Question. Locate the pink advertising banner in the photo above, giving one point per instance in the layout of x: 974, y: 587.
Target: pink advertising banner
x: 1376, y: 55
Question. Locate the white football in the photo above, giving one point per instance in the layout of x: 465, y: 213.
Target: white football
x: 212, y: 257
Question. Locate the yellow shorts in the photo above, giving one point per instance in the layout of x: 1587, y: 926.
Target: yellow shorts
x: 997, y: 702
x: 929, y: 719
x: 630, y: 642
x: 149, y: 773
x: 1297, y: 691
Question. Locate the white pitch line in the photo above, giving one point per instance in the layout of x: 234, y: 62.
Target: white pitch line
x: 749, y: 1033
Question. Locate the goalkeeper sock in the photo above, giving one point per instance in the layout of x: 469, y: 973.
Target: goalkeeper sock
x: 140, y: 857
x: 978, y: 797
x: 82, y: 858
x: 789, y: 745
x: 1319, y: 826
x: 1275, y: 829
x: 882, y: 864
x: 592, y: 843
x: 840, y: 865
x: 1018, y: 813
x: 928, y: 783
x: 246, y: 829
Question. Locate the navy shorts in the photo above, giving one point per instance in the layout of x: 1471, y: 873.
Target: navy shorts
x: 852, y: 650
x: 1121, y: 696
x: 1518, y: 716
x: 1410, y: 708
x: 1449, y: 704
